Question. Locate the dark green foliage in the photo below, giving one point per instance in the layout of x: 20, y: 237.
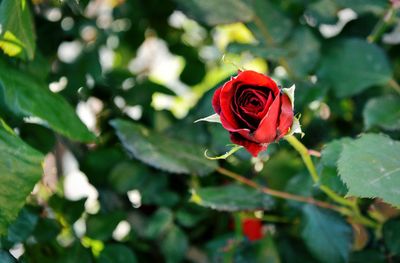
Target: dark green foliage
x: 100, y: 161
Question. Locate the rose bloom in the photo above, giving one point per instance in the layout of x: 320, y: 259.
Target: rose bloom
x: 254, y: 110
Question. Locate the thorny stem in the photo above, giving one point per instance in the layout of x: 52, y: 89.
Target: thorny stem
x: 280, y: 194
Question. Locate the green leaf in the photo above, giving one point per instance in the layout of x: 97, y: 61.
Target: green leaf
x: 6, y: 257
x: 159, y: 223
x: 116, y: 253
x: 391, y: 234
x: 162, y: 152
x: 263, y: 250
x: 353, y: 65
x: 270, y: 25
x: 126, y: 176
x: 329, y: 157
x: 326, y: 234
x: 323, y: 12
x: 302, y: 59
x: 370, y: 167
x: 52, y: 228
x: 70, y: 210
x: 331, y: 151
x: 153, y: 186
x: 363, y: 256
x: 101, y: 226
x: 272, y: 53
x: 383, y: 112
x: 191, y: 214
x: 20, y: 169
x: 232, y: 198
x: 363, y: 6
x: 27, y: 96
x: 17, y: 34
x: 174, y: 245
x: 23, y: 226
x: 329, y: 177
x: 74, y: 253
x: 216, y: 12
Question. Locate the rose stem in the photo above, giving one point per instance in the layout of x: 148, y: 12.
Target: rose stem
x: 279, y: 194
x: 303, y: 151
x: 284, y: 195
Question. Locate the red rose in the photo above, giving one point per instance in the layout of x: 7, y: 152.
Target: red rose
x: 254, y: 110
x: 252, y: 229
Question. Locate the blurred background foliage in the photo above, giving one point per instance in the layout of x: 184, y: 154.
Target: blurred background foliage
x: 100, y: 160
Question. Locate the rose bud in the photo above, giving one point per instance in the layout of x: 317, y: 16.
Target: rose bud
x: 254, y: 110
x: 252, y: 229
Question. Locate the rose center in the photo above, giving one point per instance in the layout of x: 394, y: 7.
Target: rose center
x: 255, y: 102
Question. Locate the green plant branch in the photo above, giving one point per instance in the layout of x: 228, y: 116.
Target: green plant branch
x: 305, y: 155
x: 355, y: 214
x: 382, y: 25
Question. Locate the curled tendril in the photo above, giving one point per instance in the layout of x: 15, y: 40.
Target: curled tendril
x: 234, y: 149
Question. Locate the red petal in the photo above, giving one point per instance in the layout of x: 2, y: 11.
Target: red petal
x: 285, y: 117
x: 216, y: 101
x: 252, y: 147
x: 225, y: 98
x: 249, y: 77
x: 266, y: 131
x: 243, y: 132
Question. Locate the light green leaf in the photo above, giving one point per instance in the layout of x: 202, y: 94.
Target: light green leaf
x: 20, y: 169
x: 232, y: 198
x: 26, y: 96
x: 326, y: 234
x: 370, y: 167
x: 290, y: 92
x: 216, y: 12
x: 353, y: 65
x: 212, y: 118
x: 383, y: 112
x: 162, y: 152
x: 17, y: 33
